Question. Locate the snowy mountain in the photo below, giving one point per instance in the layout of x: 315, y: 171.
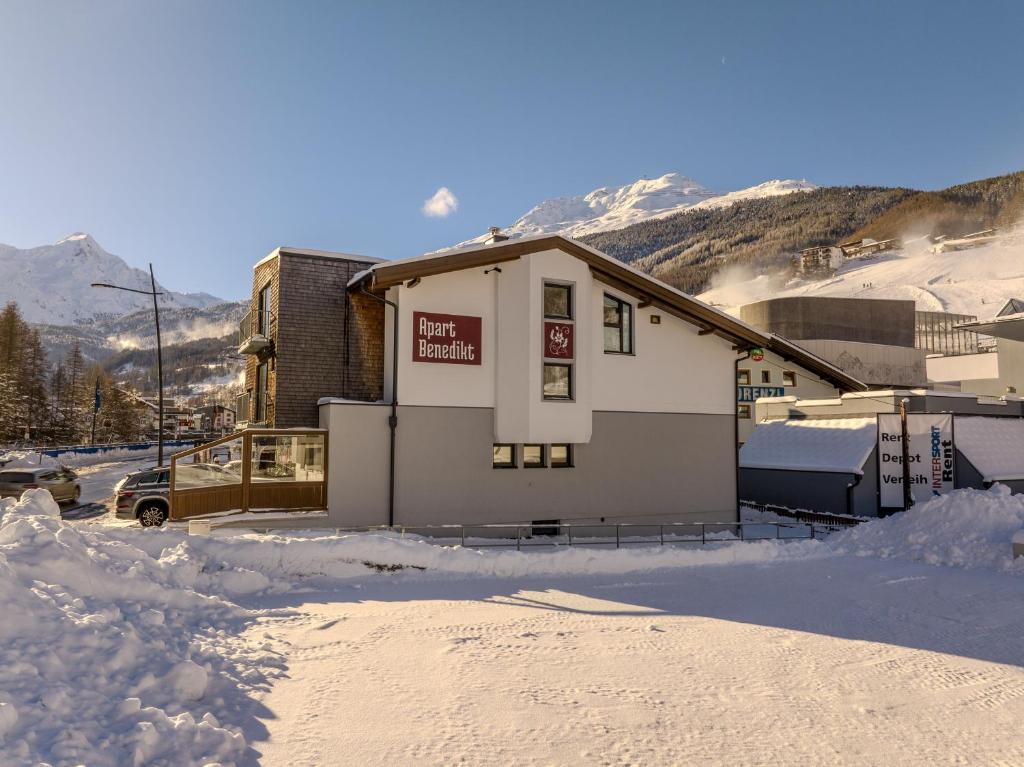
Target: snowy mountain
x: 51, y: 283
x: 976, y: 281
x: 610, y: 208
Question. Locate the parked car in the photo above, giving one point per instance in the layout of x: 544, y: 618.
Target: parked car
x: 145, y: 496
x: 62, y: 483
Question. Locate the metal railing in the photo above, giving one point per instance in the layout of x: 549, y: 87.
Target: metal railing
x: 824, y: 519
x: 254, y: 323
x: 617, y: 535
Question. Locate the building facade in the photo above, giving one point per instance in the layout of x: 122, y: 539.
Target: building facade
x: 540, y: 381
x: 306, y: 337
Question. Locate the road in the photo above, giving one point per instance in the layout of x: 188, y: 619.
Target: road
x: 97, y: 482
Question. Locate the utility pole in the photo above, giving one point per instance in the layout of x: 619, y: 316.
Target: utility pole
x: 159, y: 356
x: 908, y: 495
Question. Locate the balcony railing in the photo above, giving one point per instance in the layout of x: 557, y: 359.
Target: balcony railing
x: 242, y: 414
x: 255, y: 332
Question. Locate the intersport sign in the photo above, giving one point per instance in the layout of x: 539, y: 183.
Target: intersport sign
x: 930, y: 456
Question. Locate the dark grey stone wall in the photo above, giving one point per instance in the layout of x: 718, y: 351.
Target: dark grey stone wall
x: 873, y: 321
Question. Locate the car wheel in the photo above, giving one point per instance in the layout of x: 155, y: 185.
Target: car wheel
x: 152, y: 515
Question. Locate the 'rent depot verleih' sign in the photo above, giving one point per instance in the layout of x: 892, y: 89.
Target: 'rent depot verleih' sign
x: 930, y: 456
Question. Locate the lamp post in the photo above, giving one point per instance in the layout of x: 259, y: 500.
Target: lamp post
x: 159, y: 356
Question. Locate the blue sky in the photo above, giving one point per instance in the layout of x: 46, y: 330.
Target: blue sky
x: 200, y: 135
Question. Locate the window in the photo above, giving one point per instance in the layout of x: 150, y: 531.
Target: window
x: 557, y: 301
x: 260, y: 406
x: 561, y: 456
x: 504, y: 457
x: 557, y: 381
x: 743, y: 411
x: 263, y: 311
x: 533, y: 457
x: 788, y: 378
x: 287, y: 459
x: 743, y: 377
x: 618, y: 326
x: 766, y: 376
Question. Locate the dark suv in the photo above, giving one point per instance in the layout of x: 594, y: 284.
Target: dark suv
x: 144, y: 496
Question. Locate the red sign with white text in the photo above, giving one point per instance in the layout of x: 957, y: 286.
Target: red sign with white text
x: 451, y: 339
x: 558, y: 340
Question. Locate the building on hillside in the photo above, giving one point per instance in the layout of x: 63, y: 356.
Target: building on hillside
x: 819, y: 260
x: 945, y: 244
x: 871, y: 340
x: 306, y: 337
x: 844, y: 456
x: 216, y: 419
x: 868, y: 247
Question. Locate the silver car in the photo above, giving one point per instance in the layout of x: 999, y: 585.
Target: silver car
x: 62, y: 483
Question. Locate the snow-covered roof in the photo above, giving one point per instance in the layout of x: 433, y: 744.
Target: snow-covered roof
x: 994, y: 446
x: 836, y: 445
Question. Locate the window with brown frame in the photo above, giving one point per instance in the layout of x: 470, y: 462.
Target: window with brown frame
x: 533, y: 457
x: 788, y: 378
x: 743, y: 377
x: 618, y: 326
x: 561, y: 456
x: 504, y: 456
x: 557, y: 380
x: 766, y: 376
x: 743, y: 411
x: 557, y: 301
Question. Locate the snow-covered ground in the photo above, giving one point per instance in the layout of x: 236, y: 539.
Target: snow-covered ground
x: 976, y: 281
x: 900, y: 641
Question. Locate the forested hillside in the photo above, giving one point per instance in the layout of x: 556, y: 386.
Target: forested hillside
x: 958, y: 210
x: 687, y: 249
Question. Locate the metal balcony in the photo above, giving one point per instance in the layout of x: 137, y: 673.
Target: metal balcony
x: 255, y: 332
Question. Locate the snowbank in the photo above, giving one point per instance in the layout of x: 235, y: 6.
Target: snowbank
x: 110, y: 655
x: 966, y: 528
x: 24, y: 459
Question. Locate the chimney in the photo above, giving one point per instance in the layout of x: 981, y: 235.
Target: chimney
x: 495, y: 235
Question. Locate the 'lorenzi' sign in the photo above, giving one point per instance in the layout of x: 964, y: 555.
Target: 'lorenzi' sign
x: 453, y: 339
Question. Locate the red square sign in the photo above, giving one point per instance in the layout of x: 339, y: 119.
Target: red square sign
x: 451, y: 339
x: 558, y: 340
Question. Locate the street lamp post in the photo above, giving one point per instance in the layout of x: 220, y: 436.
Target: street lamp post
x: 159, y: 356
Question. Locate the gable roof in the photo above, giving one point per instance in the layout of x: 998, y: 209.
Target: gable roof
x: 648, y: 290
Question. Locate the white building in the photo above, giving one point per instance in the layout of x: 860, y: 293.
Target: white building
x: 539, y: 380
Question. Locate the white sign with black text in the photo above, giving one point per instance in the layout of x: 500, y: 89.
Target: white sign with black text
x: 930, y: 456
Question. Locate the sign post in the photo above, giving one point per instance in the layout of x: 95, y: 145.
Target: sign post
x: 915, y: 451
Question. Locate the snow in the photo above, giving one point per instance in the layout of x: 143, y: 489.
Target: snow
x: 825, y: 444
x: 975, y: 282
x: 611, y: 208
x: 110, y: 655
x: 993, y: 446
x: 52, y: 283
x: 899, y: 641
x: 966, y: 528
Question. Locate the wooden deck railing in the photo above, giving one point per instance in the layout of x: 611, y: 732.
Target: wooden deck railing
x: 252, y: 470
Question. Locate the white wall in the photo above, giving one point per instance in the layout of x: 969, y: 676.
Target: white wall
x: 673, y: 369
x: 808, y: 386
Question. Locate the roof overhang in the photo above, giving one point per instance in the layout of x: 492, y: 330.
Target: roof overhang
x: 648, y: 290
x: 1010, y: 327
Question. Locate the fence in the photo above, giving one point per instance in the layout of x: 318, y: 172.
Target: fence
x: 617, y: 535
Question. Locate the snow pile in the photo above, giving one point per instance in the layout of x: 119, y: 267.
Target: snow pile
x: 24, y: 459
x: 966, y: 528
x: 237, y: 562
x: 109, y: 655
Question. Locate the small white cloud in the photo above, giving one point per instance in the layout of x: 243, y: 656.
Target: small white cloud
x: 442, y: 204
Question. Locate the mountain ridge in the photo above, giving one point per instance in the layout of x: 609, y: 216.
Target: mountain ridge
x: 51, y: 283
